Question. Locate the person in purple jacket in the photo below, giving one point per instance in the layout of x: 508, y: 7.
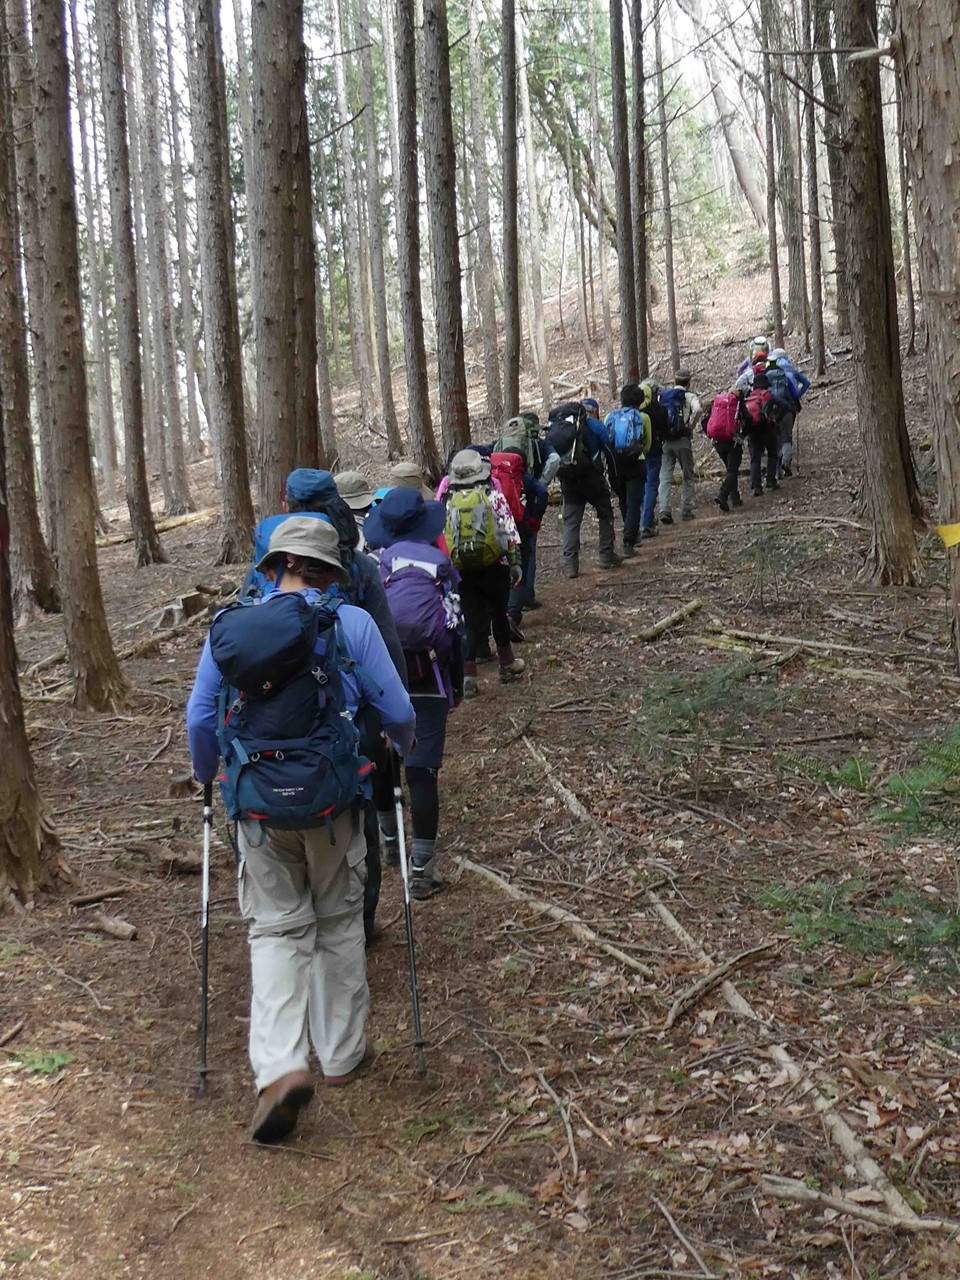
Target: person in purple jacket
x: 301, y: 892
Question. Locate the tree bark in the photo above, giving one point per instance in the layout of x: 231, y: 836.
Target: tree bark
x: 161, y: 275
x: 638, y: 175
x: 486, y: 271
x: 440, y: 174
x: 275, y: 31
x: 420, y: 426
x: 834, y: 148
x: 246, y: 140
x: 776, y: 302
x: 667, y: 203
x: 31, y: 574
x: 874, y: 329
x: 928, y: 66
x: 813, y: 200
x: 787, y: 180
x: 307, y: 414
x: 907, y: 256
x: 93, y: 663
x: 510, y: 205
x: 221, y: 321
x: 535, y: 230
x: 629, y: 358
x: 733, y: 137
x: 146, y: 541
x: 602, y: 239
x: 334, y: 312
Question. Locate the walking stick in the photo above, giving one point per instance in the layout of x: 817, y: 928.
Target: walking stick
x: 418, y: 1041
x: 205, y: 930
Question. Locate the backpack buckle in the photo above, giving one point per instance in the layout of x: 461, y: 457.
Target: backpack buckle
x: 320, y: 676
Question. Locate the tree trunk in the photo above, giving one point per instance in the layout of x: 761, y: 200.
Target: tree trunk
x: 221, y: 321
x: 602, y: 239
x: 905, y: 225
x: 348, y: 146
x: 154, y: 186
x: 93, y: 662
x: 276, y: 31
x: 376, y: 234
x: 813, y: 200
x: 420, y: 425
x: 246, y: 139
x: 733, y: 137
x: 535, y: 235
x: 583, y: 318
x: 440, y: 161
x: 873, y: 316
x: 145, y: 538
x: 485, y: 264
x: 834, y: 148
x: 334, y: 315
x: 776, y: 303
x: 183, y: 245
x: 788, y: 179
x: 638, y: 175
x: 328, y: 430
x: 31, y: 574
x: 928, y: 66
x: 629, y: 358
x: 307, y: 415
x: 667, y: 203
x: 28, y: 847
x: 511, y: 210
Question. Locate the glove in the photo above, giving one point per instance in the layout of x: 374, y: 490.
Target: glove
x: 516, y: 575
x: 534, y: 525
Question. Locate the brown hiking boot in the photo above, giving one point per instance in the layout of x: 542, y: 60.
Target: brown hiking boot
x: 348, y: 1077
x: 279, y: 1106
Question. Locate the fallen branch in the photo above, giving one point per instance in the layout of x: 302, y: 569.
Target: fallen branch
x: 575, y: 925
x: 704, y: 1269
x: 671, y: 620
x: 259, y: 1231
x: 763, y: 637
x: 565, y: 1117
x: 136, y: 650
x: 98, y: 895
x: 829, y: 520
x: 692, y: 994
x: 118, y: 539
x: 114, y: 927
x: 791, y: 1189
x: 11, y: 1033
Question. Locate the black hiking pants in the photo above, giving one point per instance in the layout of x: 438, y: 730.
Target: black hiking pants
x: 731, y: 455
x: 764, y: 440
x: 484, y: 595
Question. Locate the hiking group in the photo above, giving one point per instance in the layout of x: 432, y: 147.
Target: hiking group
x: 362, y: 623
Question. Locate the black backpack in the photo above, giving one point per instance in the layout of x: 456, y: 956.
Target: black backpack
x: 566, y: 431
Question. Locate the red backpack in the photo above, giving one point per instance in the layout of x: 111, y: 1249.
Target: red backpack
x: 722, y: 425
x: 507, y: 470
x: 755, y: 409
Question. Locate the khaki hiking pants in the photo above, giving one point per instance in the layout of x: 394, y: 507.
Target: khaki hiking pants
x: 302, y: 897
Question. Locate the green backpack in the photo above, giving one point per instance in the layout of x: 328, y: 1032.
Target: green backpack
x: 520, y: 433
x: 473, y: 541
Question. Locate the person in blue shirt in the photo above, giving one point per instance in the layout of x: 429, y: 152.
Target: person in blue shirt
x: 301, y: 892
x: 790, y: 385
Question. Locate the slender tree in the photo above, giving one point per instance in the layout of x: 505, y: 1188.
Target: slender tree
x: 602, y: 238
x: 510, y: 203
x: 31, y: 574
x: 905, y: 237
x: 309, y: 442
x: 540, y: 357
x: 440, y: 174
x: 221, y: 322
x: 486, y: 273
x: 813, y: 200
x: 833, y: 145
x: 422, y: 440
x: 93, y: 662
x: 638, y: 176
x: 145, y: 538
x: 629, y: 358
x: 666, y: 202
x: 776, y: 302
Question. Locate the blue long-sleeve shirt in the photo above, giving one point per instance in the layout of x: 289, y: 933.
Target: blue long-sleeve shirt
x: 376, y: 684
x: 799, y: 382
x: 536, y: 497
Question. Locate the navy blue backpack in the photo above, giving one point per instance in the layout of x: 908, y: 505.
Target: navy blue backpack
x: 289, y: 750
x: 674, y: 400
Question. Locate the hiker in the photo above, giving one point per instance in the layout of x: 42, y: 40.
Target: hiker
x: 300, y: 877
x: 422, y: 588
x: 314, y: 493
x: 759, y: 413
x: 683, y: 413
x: 484, y: 546
x: 658, y: 426
x: 788, y: 384
x: 356, y: 492
x: 527, y: 499
x: 722, y: 426
x: 759, y: 350
x: 407, y: 475
x: 581, y: 442
x: 541, y: 462
x: 629, y: 434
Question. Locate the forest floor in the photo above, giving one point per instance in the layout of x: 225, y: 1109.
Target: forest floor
x: 789, y: 792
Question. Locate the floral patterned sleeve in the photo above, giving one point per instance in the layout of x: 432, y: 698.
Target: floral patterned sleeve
x: 505, y: 523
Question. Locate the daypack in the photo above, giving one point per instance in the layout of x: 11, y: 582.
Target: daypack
x: 421, y: 583
x: 628, y: 430
x: 674, y: 400
x: 756, y: 409
x: 779, y: 383
x: 722, y: 425
x: 566, y: 432
x: 289, y: 748
x: 519, y: 433
x: 473, y: 540
x: 507, y: 470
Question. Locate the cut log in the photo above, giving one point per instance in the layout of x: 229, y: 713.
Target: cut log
x: 114, y: 927
x: 671, y: 620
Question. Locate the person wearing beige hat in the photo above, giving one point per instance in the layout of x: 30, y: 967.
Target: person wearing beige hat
x: 407, y: 475
x: 301, y: 890
x: 355, y: 490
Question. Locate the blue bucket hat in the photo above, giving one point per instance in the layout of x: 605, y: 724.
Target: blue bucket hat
x: 307, y: 484
x: 403, y: 516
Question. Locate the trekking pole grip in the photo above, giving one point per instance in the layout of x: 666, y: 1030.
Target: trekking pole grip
x: 207, y: 796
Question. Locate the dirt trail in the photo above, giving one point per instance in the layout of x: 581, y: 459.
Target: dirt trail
x: 562, y: 1131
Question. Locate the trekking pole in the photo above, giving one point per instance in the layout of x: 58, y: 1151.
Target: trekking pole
x: 205, y: 930
x: 418, y: 1040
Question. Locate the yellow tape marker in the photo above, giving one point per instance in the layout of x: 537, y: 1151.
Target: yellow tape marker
x: 949, y: 534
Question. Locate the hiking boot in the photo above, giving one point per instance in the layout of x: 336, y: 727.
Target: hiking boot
x: 786, y: 471
x: 736, y: 500
x: 516, y: 635
x: 647, y: 533
x: 391, y: 850
x: 610, y: 562
x: 512, y: 671
x: 773, y: 484
x: 470, y: 690
x: 533, y: 606
x: 348, y: 1077
x: 279, y: 1105
x: 424, y: 881
x: 757, y: 491
x: 722, y: 503
x: 666, y: 518
x: 629, y: 551
x: 688, y: 515
x: 571, y: 570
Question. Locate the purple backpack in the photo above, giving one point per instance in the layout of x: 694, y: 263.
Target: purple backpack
x: 421, y: 585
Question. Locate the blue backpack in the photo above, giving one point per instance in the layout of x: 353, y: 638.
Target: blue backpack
x: 674, y: 400
x: 627, y: 433
x: 289, y: 748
